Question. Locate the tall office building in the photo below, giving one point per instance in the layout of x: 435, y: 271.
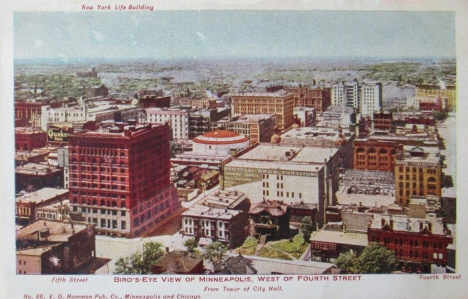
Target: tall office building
x: 279, y: 103
x: 364, y: 96
x: 119, y: 178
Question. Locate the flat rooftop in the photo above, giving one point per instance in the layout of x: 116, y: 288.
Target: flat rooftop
x: 58, y: 231
x: 279, y: 93
x: 269, y: 266
x: 245, y: 118
x: 223, y: 198
x: 287, y: 153
x: 207, y: 212
x: 36, y: 169
x: 339, y: 237
x: 406, y: 224
x: 41, y: 194
x: 317, y: 133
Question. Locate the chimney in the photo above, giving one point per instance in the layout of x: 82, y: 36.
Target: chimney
x: 167, y: 249
x: 382, y: 222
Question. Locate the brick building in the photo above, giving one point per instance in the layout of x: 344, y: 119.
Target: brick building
x: 378, y: 152
x: 96, y: 91
x: 448, y: 94
x: 374, y: 155
x: 312, y: 97
x: 382, y: 121
x: 27, y: 204
x: 119, y: 178
x: 28, y: 110
x: 52, y: 247
x: 154, y: 101
x: 258, y: 128
x: 417, y: 243
x: 280, y: 103
x: 27, y: 139
x: 37, y: 176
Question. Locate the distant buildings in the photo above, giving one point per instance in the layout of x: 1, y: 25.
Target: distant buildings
x: 311, y: 97
x: 338, y: 116
x: 445, y: 93
x: 428, y: 103
x: 258, y: 128
x: 84, y: 112
x: 365, y: 96
x: 304, y: 116
x: 96, y: 91
x: 177, y: 119
x: 279, y: 103
x: 397, y: 96
x: 88, y: 74
x: 119, y: 178
x: 212, y: 148
x: 200, y: 120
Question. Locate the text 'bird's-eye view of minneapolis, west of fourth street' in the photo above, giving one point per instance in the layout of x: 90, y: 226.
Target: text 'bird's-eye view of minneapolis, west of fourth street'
x: 219, y: 143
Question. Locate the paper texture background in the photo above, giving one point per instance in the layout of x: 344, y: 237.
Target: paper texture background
x: 371, y: 286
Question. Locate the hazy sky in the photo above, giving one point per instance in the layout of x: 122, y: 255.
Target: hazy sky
x: 219, y: 34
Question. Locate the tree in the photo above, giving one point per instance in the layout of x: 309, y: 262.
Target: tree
x: 214, y: 252
x: 138, y: 263
x: 307, y: 227
x: 348, y: 262
x: 191, y: 244
x: 377, y: 259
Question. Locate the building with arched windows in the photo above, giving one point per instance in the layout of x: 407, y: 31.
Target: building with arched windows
x: 417, y: 243
x: 418, y: 172
x: 27, y: 138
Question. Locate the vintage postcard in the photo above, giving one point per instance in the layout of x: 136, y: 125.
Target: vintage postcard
x: 233, y: 149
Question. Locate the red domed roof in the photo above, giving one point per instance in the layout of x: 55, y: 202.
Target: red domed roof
x: 220, y: 137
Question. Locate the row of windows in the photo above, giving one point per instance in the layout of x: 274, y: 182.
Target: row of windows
x: 102, y: 195
x: 101, y: 169
x: 407, y: 242
x: 109, y: 224
x: 138, y: 221
x: 101, y: 186
x: 416, y: 169
x: 23, y: 211
x: 98, y: 211
x: 278, y: 177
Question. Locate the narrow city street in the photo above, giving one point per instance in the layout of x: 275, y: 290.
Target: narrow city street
x: 448, y: 132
